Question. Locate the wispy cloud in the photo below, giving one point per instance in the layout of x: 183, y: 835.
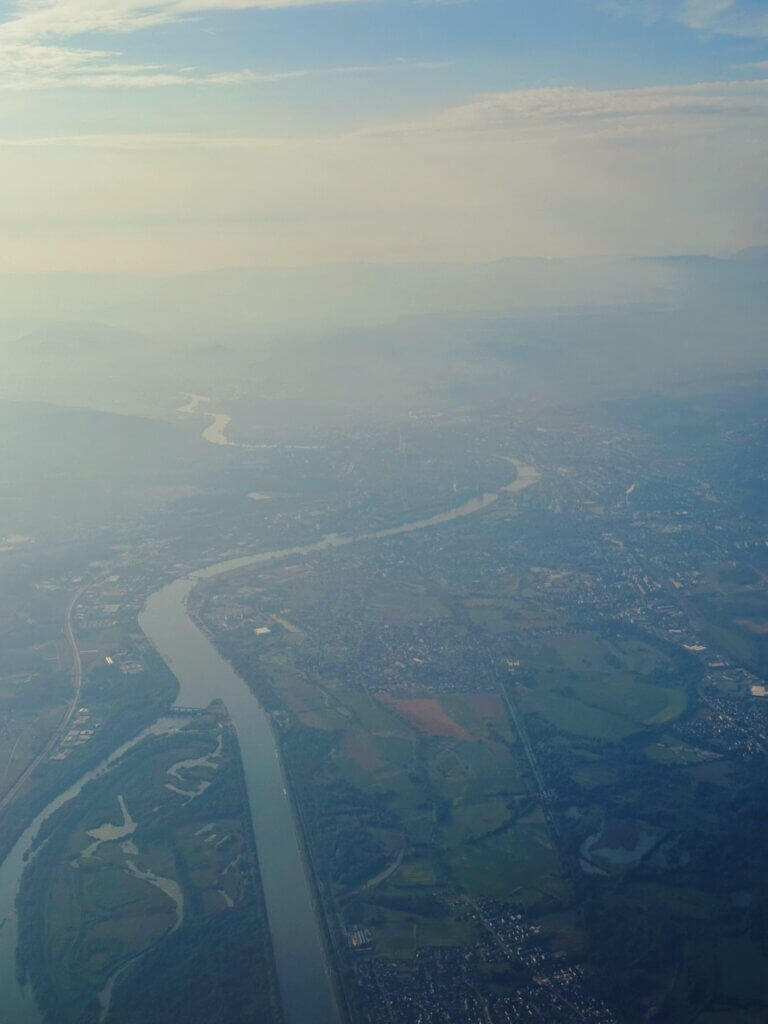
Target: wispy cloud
x: 728, y: 17
x: 48, y: 67
x: 537, y: 171
x: 746, y: 18
x: 37, y: 48
x: 36, y: 66
x: 147, y: 141
x: 563, y: 111
x: 36, y: 20
x: 705, y: 13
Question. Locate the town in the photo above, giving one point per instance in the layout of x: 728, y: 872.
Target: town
x: 491, y: 727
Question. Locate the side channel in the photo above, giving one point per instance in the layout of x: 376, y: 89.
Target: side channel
x: 304, y: 974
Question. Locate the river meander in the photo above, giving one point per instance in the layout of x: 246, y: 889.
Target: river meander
x: 303, y: 971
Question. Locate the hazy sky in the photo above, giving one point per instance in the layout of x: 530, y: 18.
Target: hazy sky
x: 182, y: 134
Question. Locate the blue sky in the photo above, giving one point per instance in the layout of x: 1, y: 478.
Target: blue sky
x: 153, y: 135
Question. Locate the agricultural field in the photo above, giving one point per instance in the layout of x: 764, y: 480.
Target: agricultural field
x: 602, y: 689
x: 554, y: 770
x: 145, y: 858
x: 34, y: 675
x: 733, y: 603
x: 411, y: 797
x: 31, y: 708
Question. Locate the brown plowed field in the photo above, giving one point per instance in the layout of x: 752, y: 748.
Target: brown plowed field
x: 487, y: 705
x: 427, y: 716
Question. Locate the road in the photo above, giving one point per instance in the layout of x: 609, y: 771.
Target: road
x: 512, y: 956
x: 520, y: 727
x: 74, y: 702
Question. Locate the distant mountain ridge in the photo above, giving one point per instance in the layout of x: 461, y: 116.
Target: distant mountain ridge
x: 204, y: 307
x: 78, y: 337
x: 345, y: 336
x: 754, y: 254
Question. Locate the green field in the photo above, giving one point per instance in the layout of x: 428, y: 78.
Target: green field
x: 427, y: 802
x: 599, y: 689
x: 150, y: 844
x: 519, y: 864
x: 571, y: 715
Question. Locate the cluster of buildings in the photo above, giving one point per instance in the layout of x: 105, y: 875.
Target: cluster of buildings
x: 81, y: 728
x: 455, y: 984
x: 129, y: 664
x: 731, y: 727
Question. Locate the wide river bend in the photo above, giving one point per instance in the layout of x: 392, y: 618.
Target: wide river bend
x: 304, y: 976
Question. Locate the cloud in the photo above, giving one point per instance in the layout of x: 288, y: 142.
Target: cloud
x: 558, y: 112
x: 570, y: 111
x: 745, y: 18
x: 726, y: 17
x: 34, y: 51
x: 36, y: 66
x: 36, y: 20
x: 705, y: 13
x: 539, y: 172
x: 45, y: 67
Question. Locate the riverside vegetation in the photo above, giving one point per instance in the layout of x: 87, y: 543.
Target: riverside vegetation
x: 152, y: 906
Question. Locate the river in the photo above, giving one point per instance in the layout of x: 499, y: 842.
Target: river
x: 306, y: 987
x: 216, y: 433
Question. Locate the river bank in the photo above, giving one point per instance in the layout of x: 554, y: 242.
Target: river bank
x: 307, y: 991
